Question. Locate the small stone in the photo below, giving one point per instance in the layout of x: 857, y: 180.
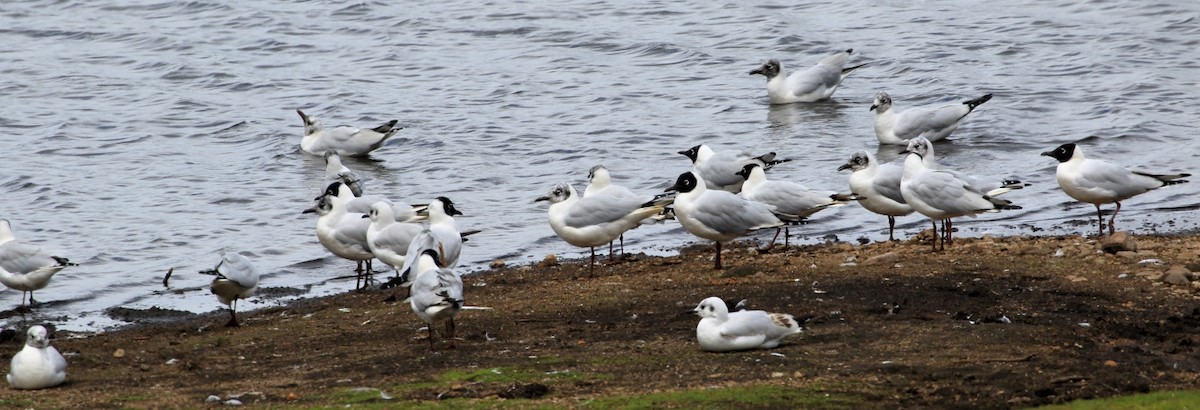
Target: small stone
x: 119, y: 353
x: 291, y: 396
x: 885, y: 259
x: 548, y: 261
x: 1110, y: 363
x: 212, y: 399
x: 144, y: 368
x: 233, y: 402
x: 497, y: 264
x: 1196, y: 285
x: 1127, y: 254
x: 1178, y: 275
x: 777, y: 375
x: 1118, y: 242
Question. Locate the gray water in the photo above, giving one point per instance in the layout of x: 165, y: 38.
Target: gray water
x: 137, y: 136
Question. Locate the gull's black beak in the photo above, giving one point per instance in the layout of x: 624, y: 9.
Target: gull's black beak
x: 542, y: 198
x: 309, y: 211
x: 756, y: 71
x: 1048, y: 154
x: 873, y: 107
x: 365, y: 216
x: 844, y: 167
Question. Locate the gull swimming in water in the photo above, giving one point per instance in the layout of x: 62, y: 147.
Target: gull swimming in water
x: 720, y: 330
x: 344, y: 140
x: 25, y: 266
x: 236, y: 279
x: 878, y: 185
x: 719, y: 169
x: 38, y: 365
x: 814, y: 84
x: 933, y: 123
x: 1101, y: 182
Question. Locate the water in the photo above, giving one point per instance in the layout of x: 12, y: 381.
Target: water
x: 143, y: 135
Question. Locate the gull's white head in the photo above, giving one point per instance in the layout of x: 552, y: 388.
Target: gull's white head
x: 311, y: 124
x: 37, y: 337
x: 598, y: 176
x: 883, y: 102
x: 712, y: 307
x: 561, y: 192
x: 920, y: 146
x: 769, y: 68
x: 858, y: 161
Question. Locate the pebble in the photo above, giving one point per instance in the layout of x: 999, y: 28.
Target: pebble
x: 233, y: 402
x: 548, y: 261
x: 1178, y: 275
x: 1110, y: 363
x: 213, y: 399
x: 119, y: 353
x: 497, y: 264
x: 1119, y: 242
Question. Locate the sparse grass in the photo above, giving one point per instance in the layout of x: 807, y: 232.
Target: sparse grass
x: 1168, y: 400
x: 757, y: 397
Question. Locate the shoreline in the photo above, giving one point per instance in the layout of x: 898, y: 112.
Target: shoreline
x: 884, y: 318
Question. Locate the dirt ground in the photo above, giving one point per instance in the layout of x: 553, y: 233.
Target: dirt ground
x: 989, y: 323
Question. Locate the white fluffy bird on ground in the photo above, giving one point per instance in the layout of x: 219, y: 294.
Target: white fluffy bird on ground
x: 878, y: 185
x: 236, y: 279
x: 344, y: 234
x: 940, y: 195
x: 1100, y: 182
x: 814, y: 84
x: 25, y: 266
x: 719, y: 169
x: 720, y: 216
x: 38, y: 365
x: 335, y: 171
x: 933, y: 123
x: 722, y: 331
x: 344, y: 140
x: 389, y: 240
x: 595, y: 220
x: 787, y: 197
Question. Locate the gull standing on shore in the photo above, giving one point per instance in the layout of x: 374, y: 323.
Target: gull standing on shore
x: 720, y: 330
x: 595, y: 220
x: 236, y: 279
x: 600, y: 183
x: 933, y: 123
x: 25, y: 266
x: 787, y: 197
x: 389, y: 240
x: 719, y: 169
x: 38, y: 365
x: 1101, y: 182
x: 344, y: 234
x: 814, y: 84
x: 718, y: 215
x: 344, y: 140
x: 878, y: 186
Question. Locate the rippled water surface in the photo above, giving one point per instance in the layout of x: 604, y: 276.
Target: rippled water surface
x: 143, y: 135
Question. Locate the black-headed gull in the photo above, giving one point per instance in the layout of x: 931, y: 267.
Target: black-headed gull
x: 38, y: 365
x: 344, y: 234
x: 718, y: 215
x: 349, y: 141
x: 719, y: 169
x: 362, y: 204
x: 814, y: 84
x: 933, y: 123
x: 595, y: 220
x: 787, y: 197
x: 720, y: 330
x: 445, y: 231
x: 236, y: 279
x: 940, y: 195
x: 1100, y: 182
x: 335, y: 171
x: 436, y: 293
x: 25, y: 266
x: 878, y: 186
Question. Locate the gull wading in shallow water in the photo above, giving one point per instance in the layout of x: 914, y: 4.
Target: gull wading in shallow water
x: 719, y: 169
x: 940, y: 195
x: 720, y: 330
x: 787, y: 197
x: 1101, y: 182
x: 718, y: 215
x: 595, y: 220
x: 236, y: 279
x: 38, y: 365
x: 24, y: 266
x: 349, y: 141
x: 814, y: 84
x: 933, y: 123
x: 878, y: 186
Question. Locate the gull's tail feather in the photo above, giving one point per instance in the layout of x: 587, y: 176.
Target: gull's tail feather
x: 1000, y: 204
x: 386, y: 128
x: 769, y: 161
x: 1172, y: 179
x: 846, y: 71
x: 1006, y: 186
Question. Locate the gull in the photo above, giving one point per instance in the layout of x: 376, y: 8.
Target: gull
x: 722, y: 331
x: 436, y: 293
x: 343, y: 140
x: 719, y: 215
x: 719, y: 169
x: 389, y: 240
x: 600, y: 183
x: 878, y: 185
x: 444, y: 230
x: 344, y: 234
x: 940, y: 195
x: 933, y: 123
x: 595, y: 220
x: 1101, y: 182
x: 787, y: 197
x: 362, y: 204
x: 236, y: 279
x: 25, y: 266
x: 814, y: 84
x: 38, y: 365
x: 992, y: 188
x: 335, y: 171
